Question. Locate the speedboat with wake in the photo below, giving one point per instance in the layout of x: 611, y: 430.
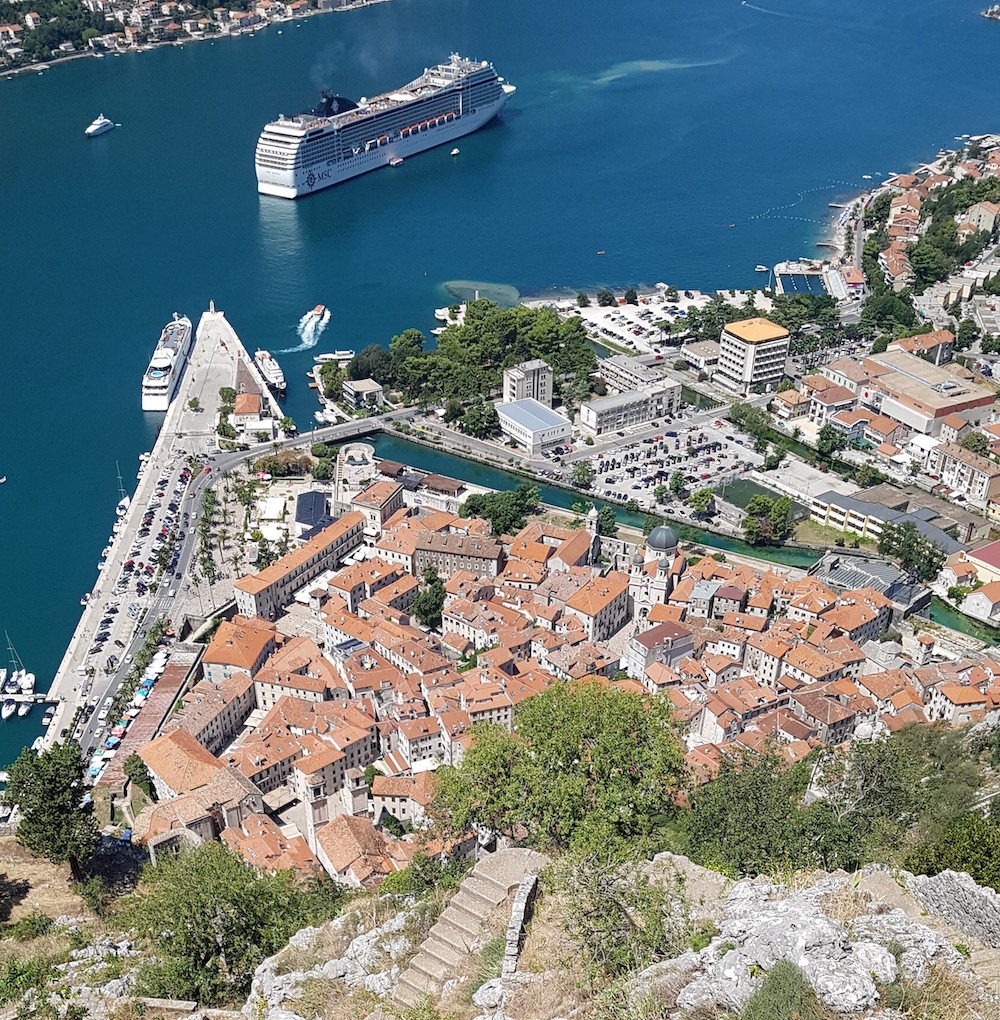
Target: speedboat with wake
x: 99, y: 126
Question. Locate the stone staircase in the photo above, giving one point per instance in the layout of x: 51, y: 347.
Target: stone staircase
x: 460, y: 928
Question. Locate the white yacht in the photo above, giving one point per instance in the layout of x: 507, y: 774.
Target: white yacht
x: 99, y: 126
x: 24, y: 709
x: 27, y: 683
x: 159, y: 383
x: 270, y: 370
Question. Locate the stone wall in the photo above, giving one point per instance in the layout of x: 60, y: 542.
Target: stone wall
x: 955, y: 897
x: 520, y: 911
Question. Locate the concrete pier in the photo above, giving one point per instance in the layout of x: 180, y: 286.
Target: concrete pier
x: 212, y: 364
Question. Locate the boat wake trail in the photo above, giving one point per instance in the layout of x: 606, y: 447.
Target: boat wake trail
x: 309, y: 330
x: 780, y: 14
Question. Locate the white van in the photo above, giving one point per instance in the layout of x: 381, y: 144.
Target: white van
x: 105, y: 708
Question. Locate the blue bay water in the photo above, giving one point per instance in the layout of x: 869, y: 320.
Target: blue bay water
x: 642, y: 130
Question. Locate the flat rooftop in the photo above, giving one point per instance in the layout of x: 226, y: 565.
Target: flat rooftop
x: 531, y: 414
x: 936, y: 387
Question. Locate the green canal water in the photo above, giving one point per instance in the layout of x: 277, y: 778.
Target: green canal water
x: 947, y: 616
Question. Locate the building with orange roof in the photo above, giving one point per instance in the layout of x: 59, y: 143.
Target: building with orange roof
x: 240, y: 645
x: 265, y: 847
x: 602, y: 605
x: 456, y: 551
x: 406, y: 798
x: 266, y: 593
x: 935, y: 347
x: 955, y: 703
x: 177, y: 763
x: 752, y: 354
x: 378, y: 503
x: 663, y: 642
x: 809, y: 665
x: 214, y: 714
x: 355, y: 853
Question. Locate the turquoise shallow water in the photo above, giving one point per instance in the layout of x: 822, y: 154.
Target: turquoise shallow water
x: 643, y: 131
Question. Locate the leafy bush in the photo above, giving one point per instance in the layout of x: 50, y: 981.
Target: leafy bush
x: 18, y: 976
x: 31, y: 926
x: 785, y: 993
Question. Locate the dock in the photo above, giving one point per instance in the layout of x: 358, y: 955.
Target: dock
x: 216, y: 358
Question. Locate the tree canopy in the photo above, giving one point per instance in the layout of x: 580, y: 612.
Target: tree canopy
x: 921, y: 556
x: 469, y: 359
x: 48, y: 788
x: 588, y: 767
x: 213, y: 919
x: 506, y: 511
x: 429, y: 601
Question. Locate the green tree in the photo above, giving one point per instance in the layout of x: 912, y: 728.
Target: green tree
x: 746, y: 821
x: 661, y: 492
x: 976, y: 442
x: 702, y: 500
x: 429, y: 601
x: 194, y: 404
x: 480, y: 420
x: 582, y: 301
x: 588, y: 767
x: 677, y: 483
x: 287, y: 425
x: 227, y: 395
x: 970, y: 843
x: 506, y: 511
x: 136, y: 772
x: 968, y: 333
x: 631, y: 298
x: 48, y: 789
x: 323, y: 469
x: 780, y: 518
x: 582, y: 474
x: 607, y: 525
x: 606, y: 298
x: 921, y: 556
x: 830, y: 440
x: 211, y: 920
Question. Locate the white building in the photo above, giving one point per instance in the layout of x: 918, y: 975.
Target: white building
x: 752, y: 354
x: 635, y: 407
x: 623, y: 373
x: 531, y: 380
x: 533, y: 425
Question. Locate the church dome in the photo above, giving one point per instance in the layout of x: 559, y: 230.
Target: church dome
x: 662, y: 541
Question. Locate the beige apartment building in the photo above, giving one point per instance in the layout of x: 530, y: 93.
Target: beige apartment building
x: 752, y: 354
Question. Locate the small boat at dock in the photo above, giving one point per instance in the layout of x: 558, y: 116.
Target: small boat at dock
x: 8, y: 708
x: 24, y: 709
x: 760, y: 268
x: 396, y: 161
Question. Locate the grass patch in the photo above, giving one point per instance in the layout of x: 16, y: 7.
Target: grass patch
x: 784, y: 993
x: 810, y: 533
x: 943, y: 995
x: 320, y: 999
x: 488, y: 965
x: 31, y: 926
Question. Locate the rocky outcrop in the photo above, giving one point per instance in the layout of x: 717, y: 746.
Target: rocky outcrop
x: 845, y: 960
x: 369, y: 961
x: 954, y: 896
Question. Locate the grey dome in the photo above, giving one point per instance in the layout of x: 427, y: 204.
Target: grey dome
x: 637, y: 558
x: 661, y: 540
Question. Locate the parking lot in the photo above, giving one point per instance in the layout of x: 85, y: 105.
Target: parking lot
x: 709, y: 455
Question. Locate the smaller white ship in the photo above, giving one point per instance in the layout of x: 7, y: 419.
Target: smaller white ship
x: 396, y: 161
x: 760, y: 269
x: 3, y: 478
x: 455, y: 152
x: 8, y: 708
x: 27, y: 683
x: 271, y: 370
x: 24, y: 709
x: 99, y: 126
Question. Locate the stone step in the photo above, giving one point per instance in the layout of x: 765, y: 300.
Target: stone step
x: 423, y: 983
x: 495, y: 890
x: 430, y: 967
x: 462, y: 918
x: 452, y: 937
x: 408, y: 994
x: 472, y: 903
x: 449, y: 956
x: 485, y: 888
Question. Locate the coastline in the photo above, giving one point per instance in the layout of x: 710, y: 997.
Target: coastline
x: 52, y: 61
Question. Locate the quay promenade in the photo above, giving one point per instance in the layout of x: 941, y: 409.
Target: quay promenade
x: 185, y: 434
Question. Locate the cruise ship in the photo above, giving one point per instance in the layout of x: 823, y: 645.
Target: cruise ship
x: 340, y: 139
x: 159, y: 383
x: 270, y: 370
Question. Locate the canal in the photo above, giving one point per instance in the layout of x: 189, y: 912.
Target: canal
x: 431, y: 459
x: 947, y: 616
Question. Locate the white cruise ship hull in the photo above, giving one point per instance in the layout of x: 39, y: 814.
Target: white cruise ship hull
x: 306, y: 179
x: 157, y: 397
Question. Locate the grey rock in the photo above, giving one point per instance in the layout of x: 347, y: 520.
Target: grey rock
x: 921, y: 946
x: 491, y: 995
x: 954, y: 896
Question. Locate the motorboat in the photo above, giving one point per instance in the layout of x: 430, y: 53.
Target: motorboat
x: 455, y: 152
x: 99, y: 126
x: 8, y: 708
x: 24, y: 709
x: 760, y: 269
x: 27, y: 683
x: 396, y: 161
